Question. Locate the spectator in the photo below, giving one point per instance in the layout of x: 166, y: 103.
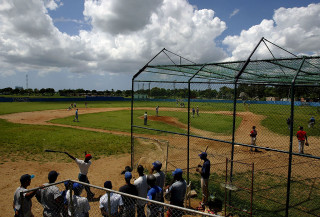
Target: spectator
x: 302, y: 138
x: 50, y: 197
x: 116, y: 204
x: 155, y: 193
x: 205, y: 174
x: 160, y: 179
x: 80, y: 204
x: 25, y: 209
x: 142, y: 187
x: 84, y: 168
x: 177, y: 191
x: 64, y: 198
x: 128, y: 203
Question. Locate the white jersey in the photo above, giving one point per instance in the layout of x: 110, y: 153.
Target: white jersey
x: 83, y: 166
x: 26, y: 209
x: 80, y: 204
x: 115, y: 202
x: 142, y: 187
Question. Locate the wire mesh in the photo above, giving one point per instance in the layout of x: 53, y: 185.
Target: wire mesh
x: 106, y: 202
x: 217, y: 105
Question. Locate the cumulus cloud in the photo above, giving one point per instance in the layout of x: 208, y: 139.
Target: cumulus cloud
x: 295, y: 29
x: 53, y: 4
x: 124, y: 35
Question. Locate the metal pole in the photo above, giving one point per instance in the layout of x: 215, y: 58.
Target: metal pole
x: 188, y: 138
x: 291, y: 137
x: 21, y: 206
x: 225, y: 189
x: 132, y: 100
x: 109, y: 204
x: 252, y: 180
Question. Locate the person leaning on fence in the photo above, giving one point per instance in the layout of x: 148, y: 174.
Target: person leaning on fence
x: 80, y: 205
x: 50, y: 197
x: 128, y: 202
x: 204, y: 171
x: 302, y: 139
x: 84, y: 169
x: 155, y: 193
x: 116, y: 203
x: 253, y: 135
x: 160, y: 179
x: 142, y: 187
x: 177, y: 192
x: 24, y: 208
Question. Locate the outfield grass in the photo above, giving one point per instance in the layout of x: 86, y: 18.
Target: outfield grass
x: 276, y: 118
x: 29, y: 142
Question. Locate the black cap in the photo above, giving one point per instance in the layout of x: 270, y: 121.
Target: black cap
x: 53, y: 175
x: 26, y: 177
x: 108, y: 184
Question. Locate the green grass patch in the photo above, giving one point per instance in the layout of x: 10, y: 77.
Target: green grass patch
x: 29, y: 141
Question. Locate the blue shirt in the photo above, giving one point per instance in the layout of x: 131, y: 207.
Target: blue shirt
x: 154, y: 193
x: 205, y: 171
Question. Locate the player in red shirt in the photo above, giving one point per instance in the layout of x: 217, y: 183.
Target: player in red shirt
x: 253, y: 135
x: 302, y: 138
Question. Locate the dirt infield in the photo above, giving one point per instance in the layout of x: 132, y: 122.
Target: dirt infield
x: 110, y: 167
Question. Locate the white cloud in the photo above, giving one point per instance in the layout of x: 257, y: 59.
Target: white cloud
x: 124, y: 35
x: 295, y: 29
x: 234, y: 12
x: 52, y: 4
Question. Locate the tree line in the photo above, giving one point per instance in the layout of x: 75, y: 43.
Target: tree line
x: 244, y: 91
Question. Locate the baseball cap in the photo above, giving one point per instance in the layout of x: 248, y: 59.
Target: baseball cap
x: 157, y: 164
x: 127, y: 175
x: 26, y: 177
x: 52, y: 174
x: 177, y: 171
x: 108, y: 184
x: 203, y: 154
x: 76, y: 186
x: 88, y: 156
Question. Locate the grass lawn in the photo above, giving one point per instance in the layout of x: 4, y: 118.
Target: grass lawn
x: 29, y: 142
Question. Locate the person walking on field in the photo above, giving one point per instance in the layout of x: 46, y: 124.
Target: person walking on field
x: 84, y: 169
x: 204, y: 171
x: 22, y: 206
x: 197, y: 111
x: 76, y: 116
x: 142, y: 187
x: 193, y: 112
x: 157, y: 111
x: 253, y: 135
x: 302, y: 139
x: 145, y: 118
x: 312, y: 122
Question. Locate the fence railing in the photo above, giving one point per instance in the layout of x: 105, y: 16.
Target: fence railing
x: 66, y: 198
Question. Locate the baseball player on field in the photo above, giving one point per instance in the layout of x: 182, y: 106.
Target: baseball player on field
x: 253, y: 135
x: 302, y: 138
x: 76, y: 116
x: 84, y: 168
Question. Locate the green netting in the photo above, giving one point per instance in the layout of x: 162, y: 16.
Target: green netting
x: 269, y: 71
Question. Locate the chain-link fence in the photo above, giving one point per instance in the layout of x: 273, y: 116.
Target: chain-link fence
x: 68, y: 198
x: 247, y: 111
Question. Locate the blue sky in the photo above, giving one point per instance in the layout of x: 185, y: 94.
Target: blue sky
x: 101, y: 44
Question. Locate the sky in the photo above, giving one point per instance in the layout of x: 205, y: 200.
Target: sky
x: 101, y: 44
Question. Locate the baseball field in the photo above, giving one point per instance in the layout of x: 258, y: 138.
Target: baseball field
x: 103, y: 130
